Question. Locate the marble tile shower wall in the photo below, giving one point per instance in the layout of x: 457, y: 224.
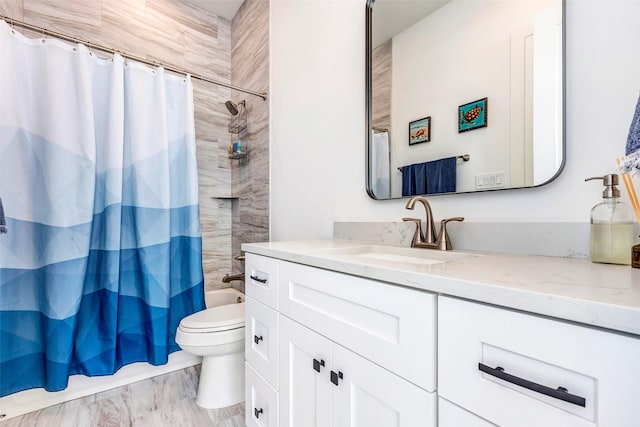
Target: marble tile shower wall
x: 179, y: 34
x: 381, y: 81
x: 250, y: 68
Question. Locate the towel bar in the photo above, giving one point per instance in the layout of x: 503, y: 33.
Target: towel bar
x: 464, y: 157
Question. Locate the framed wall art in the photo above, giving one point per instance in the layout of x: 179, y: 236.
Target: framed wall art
x: 472, y: 115
x: 420, y: 131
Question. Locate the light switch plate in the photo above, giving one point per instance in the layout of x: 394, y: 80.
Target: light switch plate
x: 485, y: 181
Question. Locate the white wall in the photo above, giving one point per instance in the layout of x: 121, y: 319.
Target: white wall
x: 317, y: 119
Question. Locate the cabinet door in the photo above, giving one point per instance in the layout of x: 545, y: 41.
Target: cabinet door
x: 261, y: 400
x: 261, y: 339
x: 304, y: 385
x: 367, y: 395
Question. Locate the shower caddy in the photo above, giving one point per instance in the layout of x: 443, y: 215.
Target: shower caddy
x: 238, y: 126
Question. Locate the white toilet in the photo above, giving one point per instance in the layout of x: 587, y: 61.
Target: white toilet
x: 217, y: 334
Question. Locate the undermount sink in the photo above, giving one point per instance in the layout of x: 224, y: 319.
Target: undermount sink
x: 396, y: 254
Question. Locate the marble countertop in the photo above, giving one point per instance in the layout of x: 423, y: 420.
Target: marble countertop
x: 577, y: 290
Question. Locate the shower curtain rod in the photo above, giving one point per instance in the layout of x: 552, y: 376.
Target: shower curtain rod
x: 44, y: 31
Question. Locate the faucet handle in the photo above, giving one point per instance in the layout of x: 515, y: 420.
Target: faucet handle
x: 418, y: 237
x: 444, y: 243
x: 455, y: 218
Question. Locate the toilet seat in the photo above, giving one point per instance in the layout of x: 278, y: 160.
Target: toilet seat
x: 215, y: 319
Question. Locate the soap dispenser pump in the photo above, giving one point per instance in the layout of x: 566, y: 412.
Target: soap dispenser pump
x: 611, y: 225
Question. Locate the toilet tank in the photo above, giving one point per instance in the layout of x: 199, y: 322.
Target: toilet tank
x: 225, y: 296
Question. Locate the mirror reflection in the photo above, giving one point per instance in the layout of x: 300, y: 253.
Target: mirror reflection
x: 463, y: 95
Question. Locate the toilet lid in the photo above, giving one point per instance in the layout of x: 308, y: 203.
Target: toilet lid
x: 223, y: 317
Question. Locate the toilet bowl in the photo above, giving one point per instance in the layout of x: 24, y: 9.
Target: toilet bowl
x: 217, y: 334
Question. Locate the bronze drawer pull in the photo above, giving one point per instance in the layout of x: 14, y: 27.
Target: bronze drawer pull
x: 257, y: 279
x: 557, y: 393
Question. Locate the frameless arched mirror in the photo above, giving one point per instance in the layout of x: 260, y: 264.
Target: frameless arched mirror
x: 463, y: 95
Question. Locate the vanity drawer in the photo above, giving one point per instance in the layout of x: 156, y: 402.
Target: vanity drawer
x: 392, y: 326
x: 261, y: 279
x: 261, y: 405
x: 597, y: 366
x: 261, y: 339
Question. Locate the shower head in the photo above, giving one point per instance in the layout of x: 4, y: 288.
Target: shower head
x: 232, y: 107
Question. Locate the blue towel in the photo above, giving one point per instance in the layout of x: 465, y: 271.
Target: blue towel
x: 441, y: 176
x: 3, y: 221
x: 414, y: 179
x: 408, y: 183
x: 420, y: 178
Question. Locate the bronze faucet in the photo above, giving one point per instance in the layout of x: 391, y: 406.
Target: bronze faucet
x: 228, y: 279
x: 240, y: 276
x: 428, y: 239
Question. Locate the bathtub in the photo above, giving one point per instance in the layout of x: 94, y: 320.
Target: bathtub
x: 222, y: 297
x: 79, y: 386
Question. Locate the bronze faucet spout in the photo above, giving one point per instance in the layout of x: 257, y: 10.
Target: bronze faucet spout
x: 430, y: 233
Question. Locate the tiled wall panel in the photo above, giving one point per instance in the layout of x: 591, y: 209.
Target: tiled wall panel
x: 250, y: 69
x: 381, y: 85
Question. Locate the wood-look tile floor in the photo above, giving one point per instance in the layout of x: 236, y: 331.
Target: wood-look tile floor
x: 166, y: 400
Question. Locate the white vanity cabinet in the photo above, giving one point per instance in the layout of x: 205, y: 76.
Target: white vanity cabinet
x: 330, y: 349
x: 517, y: 369
x: 351, y: 351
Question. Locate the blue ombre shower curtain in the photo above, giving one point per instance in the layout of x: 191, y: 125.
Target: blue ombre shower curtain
x: 98, y: 179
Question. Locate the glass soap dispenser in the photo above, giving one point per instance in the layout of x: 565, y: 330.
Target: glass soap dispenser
x: 611, y: 225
